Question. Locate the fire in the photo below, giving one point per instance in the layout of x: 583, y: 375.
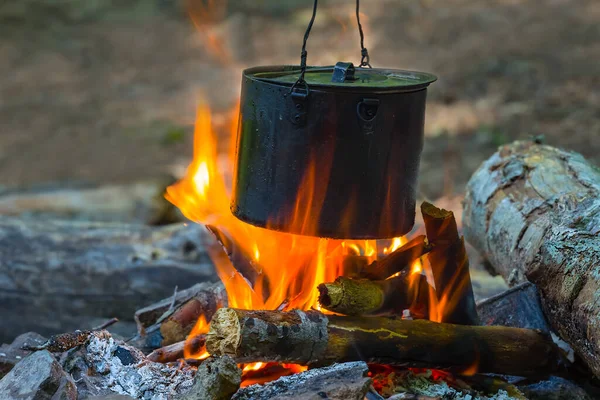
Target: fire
x: 281, y: 270
x: 194, y: 349
x: 440, y: 305
x: 284, y: 268
x: 396, y: 244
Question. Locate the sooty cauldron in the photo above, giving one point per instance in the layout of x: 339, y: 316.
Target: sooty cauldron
x: 330, y: 151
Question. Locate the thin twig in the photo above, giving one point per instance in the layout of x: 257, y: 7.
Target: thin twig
x: 105, y: 325
x: 172, y: 306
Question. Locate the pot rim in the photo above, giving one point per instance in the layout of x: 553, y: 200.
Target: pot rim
x: 422, y: 79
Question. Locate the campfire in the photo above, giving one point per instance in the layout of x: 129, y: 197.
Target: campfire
x: 328, y: 287
x: 296, y: 301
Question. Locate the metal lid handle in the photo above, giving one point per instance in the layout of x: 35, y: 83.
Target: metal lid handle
x: 365, y: 58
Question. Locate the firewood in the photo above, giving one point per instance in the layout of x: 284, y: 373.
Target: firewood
x: 534, y: 212
x: 176, y: 324
x: 62, y: 276
x: 316, y: 339
x: 449, y: 266
x: 161, y: 310
x: 398, y: 260
x: 386, y: 297
x: 176, y: 351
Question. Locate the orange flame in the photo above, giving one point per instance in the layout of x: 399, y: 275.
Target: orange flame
x: 288, y: 267
x: 204, y: 15
x: 440, y: 305
x: 191, y: 349
x: 285, y: 268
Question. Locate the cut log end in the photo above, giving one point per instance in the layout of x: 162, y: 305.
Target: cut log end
x: 351, y: 297
x: 435, y: 212
x: 291, y: 337
x: 224, y: 336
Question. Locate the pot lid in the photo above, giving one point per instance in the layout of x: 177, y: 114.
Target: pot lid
x: 344, y: 75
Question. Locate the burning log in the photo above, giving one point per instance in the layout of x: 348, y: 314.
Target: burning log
x: 176, y: 351
x: 398, y: 260
x: 449, y: 266
x: 63, y: 276
x: 365, y: 297
x: 177, y: 322
x: 155, y: 313
x: 315, y: 339
x: 534, y: 212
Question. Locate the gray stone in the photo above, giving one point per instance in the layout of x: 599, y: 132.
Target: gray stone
x: 11, y: 354
x: 37, y: 377
x: 554, y: 388
x: 217, y: 379
x: 346, y: 381
x: 67, y: 390
x: 517, y: 307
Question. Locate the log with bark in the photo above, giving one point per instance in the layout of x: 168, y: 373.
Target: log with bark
x: 384, y: 297
x: 62, y: 276
x: 176, y: 351
x: 179, y: 316
x: 316, y: 339
x: 136, y: 202
x: 534, y: 212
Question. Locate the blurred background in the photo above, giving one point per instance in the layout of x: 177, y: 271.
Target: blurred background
x: 96, y: 92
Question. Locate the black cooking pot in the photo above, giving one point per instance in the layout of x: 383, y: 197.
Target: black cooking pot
x: 336, y: 156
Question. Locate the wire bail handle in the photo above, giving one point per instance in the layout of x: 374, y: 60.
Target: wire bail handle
x: 365, y: 61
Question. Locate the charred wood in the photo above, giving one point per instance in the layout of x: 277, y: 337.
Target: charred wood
x: 398, y: 260
x: 158, y: 312
x: 315, y: 339
x: 176, y: 351
x: 534, y: 212
x: 519, y: 307
x: 449, y: 266
x: 176, y: 323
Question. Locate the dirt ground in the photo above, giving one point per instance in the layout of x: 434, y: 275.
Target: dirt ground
x: 110, y: 96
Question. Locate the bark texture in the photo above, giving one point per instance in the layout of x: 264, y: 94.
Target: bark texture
x: 315, y: 339
x: 534, y: 212
x: 384, y: 297
x: 57, y: 276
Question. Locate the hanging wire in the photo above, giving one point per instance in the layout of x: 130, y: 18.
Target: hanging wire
x: 304, y: 54
x: 365, y: 60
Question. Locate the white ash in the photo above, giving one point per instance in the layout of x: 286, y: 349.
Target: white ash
x: 141, y: 379
x: 444, y: 391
